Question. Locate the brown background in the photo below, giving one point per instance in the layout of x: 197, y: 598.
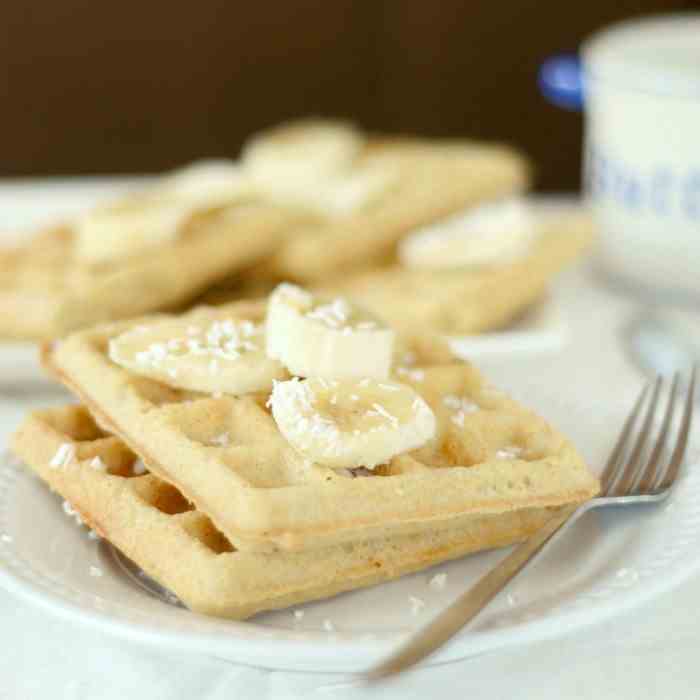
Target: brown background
x: 93, y: 86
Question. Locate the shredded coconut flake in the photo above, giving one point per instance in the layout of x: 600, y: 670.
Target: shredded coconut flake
x: 98, y: 465
x: 71, y: 512
x: 461, y: 405
x: 417, y: 605
x: 381, y: 411
x: 6, y: 538
x: 138, y: 468
x: 294, y: 293
x: 337, y: 315
x: 95, y: 571
x: 509, y: 452
x: 416, y: 375
x: 458, y: 418
x: 224, y: 339
x: 221, y: 440
x: 328, y: 626
x: 298, y: 614
x: 298, y: 399
x: 437, y: 582
x: 628, y: 575
x: 64, y: 455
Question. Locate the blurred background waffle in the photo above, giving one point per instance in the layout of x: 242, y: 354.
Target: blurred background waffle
x: 453, y: 295
x: 306, y: 200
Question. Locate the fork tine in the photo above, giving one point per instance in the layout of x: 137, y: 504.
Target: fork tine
x: 612, y: 467
x: 632, y: 470
x: 679, y: 451
x: 646, y: 482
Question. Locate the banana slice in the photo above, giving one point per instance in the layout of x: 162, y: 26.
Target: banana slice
x: 312, y: 164
x: 208, y: 355
x: 491, y: 234
x: 127, y: 227
x: 347, y: 423
x: 336, y: 197
x: 208, y: 183
x: 306, y: 149
x: 326, y: 338
x: 140, y: 221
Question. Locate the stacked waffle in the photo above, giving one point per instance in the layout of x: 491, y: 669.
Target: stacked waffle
x: 257, y: 455
x: 316, y: 202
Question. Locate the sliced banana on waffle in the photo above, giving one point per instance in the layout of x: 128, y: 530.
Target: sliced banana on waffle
x: 127, y: 227
x: 212, y: 356
x: 347, y: 423
x: 326, y: 337
x: 306, y: 149
x: 156, y: 216
x: 490, y: 234
x: 313, y: 164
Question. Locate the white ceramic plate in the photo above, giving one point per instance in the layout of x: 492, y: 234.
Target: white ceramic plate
x: 610, y: 561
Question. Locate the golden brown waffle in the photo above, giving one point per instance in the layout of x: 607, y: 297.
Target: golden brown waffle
x: 435, y: 178
x: 156, y: 527
x: 464, y: 301
x: 45, y: 292
x: 263, y: 495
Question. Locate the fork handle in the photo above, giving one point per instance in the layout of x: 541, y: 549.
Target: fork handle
x: 471, y: 603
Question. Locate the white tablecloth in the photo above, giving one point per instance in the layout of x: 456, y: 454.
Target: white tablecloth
x: 651, y: 652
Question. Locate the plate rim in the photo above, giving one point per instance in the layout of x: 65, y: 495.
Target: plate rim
x: 349, y: 652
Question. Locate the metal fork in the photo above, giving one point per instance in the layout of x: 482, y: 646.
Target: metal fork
x: 628, y: 478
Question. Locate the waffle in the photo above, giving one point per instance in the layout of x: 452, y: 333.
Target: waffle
x: 262, y: 495
x: 463, y: 301
x: 435, y: 178
x: 178, y: 546
x: 45, y: 292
